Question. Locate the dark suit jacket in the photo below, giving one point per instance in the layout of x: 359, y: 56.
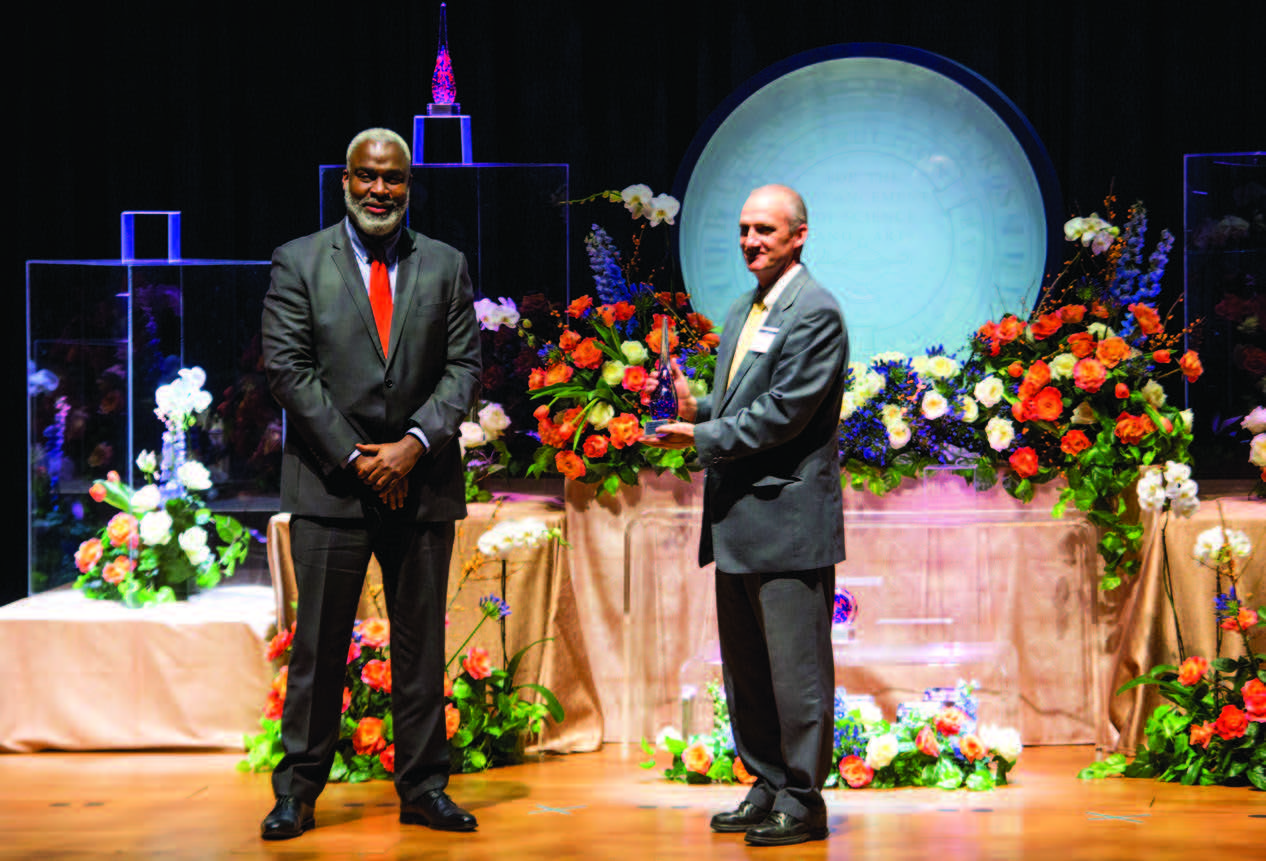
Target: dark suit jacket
x: 772, y: 499
x: 326, y: 367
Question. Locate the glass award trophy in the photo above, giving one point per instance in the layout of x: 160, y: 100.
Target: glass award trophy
x: 664, y: 398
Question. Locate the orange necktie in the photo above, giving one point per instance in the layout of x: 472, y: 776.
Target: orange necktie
x: 380, y: 299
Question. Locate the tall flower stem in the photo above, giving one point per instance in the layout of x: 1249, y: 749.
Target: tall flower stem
x: 469, y: 637
x: 1167, y: 580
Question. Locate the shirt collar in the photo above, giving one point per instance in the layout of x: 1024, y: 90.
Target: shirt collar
x: 767, y: 301
x: 358, y: 245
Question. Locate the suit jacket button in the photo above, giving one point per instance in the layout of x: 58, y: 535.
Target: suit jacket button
x: 390, y: 384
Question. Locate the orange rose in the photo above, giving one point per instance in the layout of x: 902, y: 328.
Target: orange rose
x: 634, y: 378
x: 587, y: 354
x: 1074, y: 443
x: 1192, y: 670
x: 949, y: 720
x: 1089, y: 375
x: 1191, y: 367
x: 1231, y: 723
x: 88, y: 555
x: 625, y: 430
x: 477, y: 663
x: 280, y: 681
x: 624, y: 311
x: 353, y: 651
x: 559, y: 372
x: 1009, y: 329
x: 741, y: 774
x: 448, y: 686
x: 1247, y: 618
x: 697, y: 758
x: 1015, y: 369
x: 367, y: 737
x: 926, y: 742
x: 374, y: 633
x: 377, y: 675
x: 1039, y: 374
x: 580, y: 306
x: 1122, y: 391
x: 1201, y: 734
x: 118, y: 569
x: 97, y: 491
x: 1254, y: 693
x: 972, y: 748
x: 452, y: 720
x: 1046, y: 325
x: 1111, y: 351
x: 1024, y: 462
x: 121, y: 530
x: 274, y: 705
x: 347, y: 699
x: 855, y: 771
x: 1130, y: 430
x: 1161, y: 357
x: 1149, y: 321
x: 988, y: 332
x: 1081, y: 344
x: 699, y: 323
x: 277, y: 645
x: 568, y: 340
x: 569, y: 464
x: 710, y: 341
x: 1099, y: 310
x: 595, y: 446
x: 536, y: 378
x: 1047, y: 406
x: 388, y: 758
x: 1072, y: 313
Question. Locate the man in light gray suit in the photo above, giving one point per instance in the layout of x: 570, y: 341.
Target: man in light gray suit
x: 372, y: 347
x: 773, y: 519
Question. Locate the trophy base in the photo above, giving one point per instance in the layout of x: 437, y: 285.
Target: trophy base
x: 654, y: 425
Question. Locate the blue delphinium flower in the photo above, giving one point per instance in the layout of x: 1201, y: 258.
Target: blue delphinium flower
x: 604, y: 261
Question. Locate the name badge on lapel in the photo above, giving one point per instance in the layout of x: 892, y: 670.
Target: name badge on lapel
x: 763, y: 338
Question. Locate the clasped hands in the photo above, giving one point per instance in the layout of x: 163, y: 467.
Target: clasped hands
x: 384, y: 467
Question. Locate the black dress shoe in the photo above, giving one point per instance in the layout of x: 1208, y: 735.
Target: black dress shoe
x: 289, y: 818
x: 741, y: 818
x: 783, y: 829
x: 437, y: 810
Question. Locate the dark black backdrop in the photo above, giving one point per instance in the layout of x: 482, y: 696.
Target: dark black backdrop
x: 225, y: 112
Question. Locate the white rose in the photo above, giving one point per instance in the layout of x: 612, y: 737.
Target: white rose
x: 1154, y: 394
x: 890, y: 414
x: 873, y: 383
x: 942, y: 367
x: 600, y: 414
x: 989, y: 391
x: 1100, y: 331
x: 471, y: 435
x: 1062, y: 366
x: 898, y: 434
x: 1000, y: 433
x: 934, y: 405
x: 156, y: 528
x: 971, y: 411
x: 1003, y: 741
x: 919, y: 364
x: 1255, y: 422
x: 1188, y: 416
x: 194, y: 542
x: 1084, y: 414
x: 194, y: 475
x: 613, y: 372
x: 146, y: 499
x: 147, y: 462
x: 1257, y: 451
x: 493, y: 420
x: 848, y: 406
x: 635, y: 352
x: 881, y: 750
x: 869, y: 712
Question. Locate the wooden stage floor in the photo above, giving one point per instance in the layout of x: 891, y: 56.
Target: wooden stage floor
x: 602, y: 805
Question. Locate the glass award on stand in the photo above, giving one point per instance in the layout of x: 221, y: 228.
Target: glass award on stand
x: 664, y: 398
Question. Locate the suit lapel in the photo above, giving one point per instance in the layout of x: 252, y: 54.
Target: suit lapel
x: 344, y: 260
x: 408, y: 269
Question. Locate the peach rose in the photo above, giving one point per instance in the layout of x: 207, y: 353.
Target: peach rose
x: 559, y: 372
x: 595, y: 446
x: 949, y: 720
x: 121, y: 530
x: 388, y: 758
x: 1254, y: 693
x: 1015, y: 369
x: 1201, y: 734
x: 1111, y: 351
x: 926, y: 742
x: 606, y: 313
x: 1009, y: 329
x: 1099, y: 310
x: 855, y: 771
x: 1191, y: 367
x: 347, y: 699
x: 634, y: 378
x: 1192, y: 670
x: 1046, y: 406
x: 1081, y: 344
x: 1038, y: 375
x: 624, y: 311
x: 1161, y: 357
x: 274, y: 705
x: 1089, y: 375
x: 1074, y: 443
x: 280, y: 681
x: 1046, y: 325
x: 1231, y: 723
x: 1247, y: 617
x: 1130, y: 429
x: 452, y: 720
x: 568, y: 340
x: 97, y: 491
x: 697, y: 758
x: 377, y: 675
x: 580, y: 306
x: 477, y: 663
x: 374, y: 633
x: 278, y: 645
x: 367, y: 737
x: 448, y: 686
x: 1072, y: 313
x: 741, y: 774
x: 625, y: 430
x: 117, y: 569
x: 88, y: 555
x: 353, y: 651
x: 972, y: 748
x: 1024, y: 462
x: 587, y: 354
x: 1149, y: 321
x: 569, y: 464
x: 536, y: 379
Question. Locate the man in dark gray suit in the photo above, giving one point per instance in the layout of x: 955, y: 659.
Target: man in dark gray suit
x: 773, y: 519
x: 372, y: 347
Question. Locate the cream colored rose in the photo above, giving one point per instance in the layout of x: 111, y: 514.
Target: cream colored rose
x: 493, y: 420
x: 942, y: 367
x: 971, y: 411
x: 881, y: 750
x: 1084, y: 414
x: 890, y: 414
x: 635, y: 352
x: 898, y: 434
x: 600, y: 414
x: 934, y: 405
x: 989, y: 391
x: 1000, y: 433
x: 1062, y: 366
x: 613, y: 372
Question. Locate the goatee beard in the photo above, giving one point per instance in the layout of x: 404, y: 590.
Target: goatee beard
x: 375, y: 225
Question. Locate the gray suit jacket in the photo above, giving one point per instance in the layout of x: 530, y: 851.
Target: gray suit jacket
x: 326, y: 367
x: 772, y: 499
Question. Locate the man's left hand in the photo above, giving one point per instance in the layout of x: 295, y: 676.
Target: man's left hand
x: 676, y: 435
x: 381, y: 466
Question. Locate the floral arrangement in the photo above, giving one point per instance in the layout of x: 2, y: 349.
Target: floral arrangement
x: 484, y: 452
x: 1073, y: 389
x: 158, y: 545
x: 597, y: 360
x: 486, y: 718
x: 939, y: 745
x: 1213, y: 729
